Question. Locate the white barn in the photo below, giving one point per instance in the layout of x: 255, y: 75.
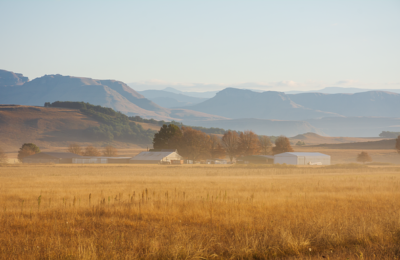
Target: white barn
x: 302, y: 158
x: 156, y: 157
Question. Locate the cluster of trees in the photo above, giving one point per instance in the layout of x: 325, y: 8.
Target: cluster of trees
x: 300, y: 143
x: 90, y: 150
x: 114, y: 125
x: 388, y: 134
x: 196, y: 145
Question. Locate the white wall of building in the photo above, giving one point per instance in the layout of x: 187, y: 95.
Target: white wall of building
x: 89, y: 160
x: 286, y: 159
x: 302, y: 159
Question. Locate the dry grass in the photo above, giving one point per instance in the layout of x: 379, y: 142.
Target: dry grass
x: 201, y: 212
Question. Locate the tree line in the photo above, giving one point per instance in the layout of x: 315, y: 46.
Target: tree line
x: 28, y: 149
x: 90, y: 150
x: 196, y: 145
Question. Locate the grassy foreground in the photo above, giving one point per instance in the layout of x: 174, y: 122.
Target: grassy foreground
x: 198, y: 212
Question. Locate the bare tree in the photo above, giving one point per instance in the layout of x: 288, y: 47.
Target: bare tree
x: 249, y: 143
x: 75, y: 148
x: 282, y: 145
x: 230, y: 141
x: 91, y: 151
x: 110, y: 151
x: 364, y: 157
x: 216, y: 149
x: 3, y: 156
x: 192, y: 144
x: 265, y: 145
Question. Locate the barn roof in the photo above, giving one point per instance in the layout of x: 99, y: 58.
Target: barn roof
x: 151, y: 156
x: 300, y: 154
x: 259, y: 157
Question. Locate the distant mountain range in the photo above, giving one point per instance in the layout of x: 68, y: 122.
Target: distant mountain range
x: 241, y: 103
x: 109, y: 93
x: 269, y: 112
x: 341, y: 90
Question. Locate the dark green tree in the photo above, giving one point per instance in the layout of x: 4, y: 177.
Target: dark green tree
x: 163, y: 139
x: 27, y: 149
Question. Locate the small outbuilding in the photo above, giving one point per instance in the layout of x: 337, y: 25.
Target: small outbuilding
x: 299, y: 158
x: 256, y: 159
x: 50, y: 157
x: 162, y: 156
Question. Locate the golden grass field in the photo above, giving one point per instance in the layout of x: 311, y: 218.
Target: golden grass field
x: 199, y: 212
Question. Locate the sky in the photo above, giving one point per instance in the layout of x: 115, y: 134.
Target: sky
x: 277, y: 45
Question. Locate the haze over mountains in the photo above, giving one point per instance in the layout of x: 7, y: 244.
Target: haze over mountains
x: 109, y: 93
x: 268, y: 112
x: 170, y: 99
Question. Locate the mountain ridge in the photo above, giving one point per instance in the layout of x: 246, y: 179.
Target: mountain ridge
x: 240, y: 103
x: 110, y: 93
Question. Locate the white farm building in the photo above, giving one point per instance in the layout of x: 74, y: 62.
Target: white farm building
x: 302, y: 158
x: 156, y: 157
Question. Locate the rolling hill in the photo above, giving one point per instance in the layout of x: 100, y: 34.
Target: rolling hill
x: 355, y: 126
x: 314, y: 139
x: 54, y: 127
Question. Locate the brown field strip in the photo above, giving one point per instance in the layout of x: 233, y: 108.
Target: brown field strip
x: 198, y: 212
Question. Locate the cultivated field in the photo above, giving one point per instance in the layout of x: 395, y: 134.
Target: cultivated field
x: 199, y: 212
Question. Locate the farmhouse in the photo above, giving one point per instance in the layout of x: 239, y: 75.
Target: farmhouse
x: 50, y: 157
x: 302, y: 158
x: 157, y: 156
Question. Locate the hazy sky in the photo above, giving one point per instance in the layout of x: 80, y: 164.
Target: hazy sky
x: 297, y: 44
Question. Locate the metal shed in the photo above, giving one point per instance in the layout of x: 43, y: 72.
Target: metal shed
x: 156, y: 157
x: 256, y: 159
x: 298, y: 158
x: 92, y: 159
x: 50, y: 157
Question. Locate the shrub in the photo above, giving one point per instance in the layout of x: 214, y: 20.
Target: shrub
x: 364, y: 157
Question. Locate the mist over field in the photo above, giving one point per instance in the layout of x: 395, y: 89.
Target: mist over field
x: 199, y: 129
